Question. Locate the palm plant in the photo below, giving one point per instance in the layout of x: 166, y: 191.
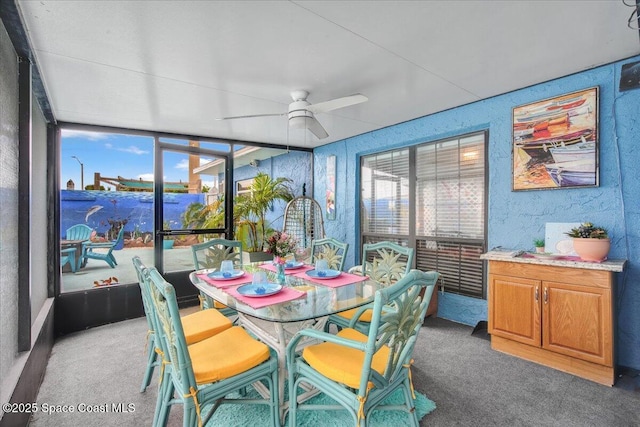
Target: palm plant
x: 198, y: 215
x: 250, y: 209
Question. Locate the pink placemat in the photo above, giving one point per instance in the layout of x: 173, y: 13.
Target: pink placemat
x: 287, y: 294
x: 222, y: 284
x: 342, y: 280
x: 269, y: 266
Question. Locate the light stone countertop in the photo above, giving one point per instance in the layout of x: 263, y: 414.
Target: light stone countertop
x: 615, y: 265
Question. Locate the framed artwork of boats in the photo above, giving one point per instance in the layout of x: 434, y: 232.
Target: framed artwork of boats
x: 555, y: 142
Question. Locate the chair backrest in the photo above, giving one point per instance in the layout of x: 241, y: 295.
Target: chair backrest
x: 169, y: 333
x: 397, y: 326
x: 79, y: 232
x: 334, y: 251
x: 120, y: 237
x: 143, y: 281
x: 211, y: 253
x: 386, y: 262
x: 303, y: 220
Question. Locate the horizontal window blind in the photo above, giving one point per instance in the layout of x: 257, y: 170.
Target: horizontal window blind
x: 459, y: 264
x: 449, y: 205
x: 385, y: 193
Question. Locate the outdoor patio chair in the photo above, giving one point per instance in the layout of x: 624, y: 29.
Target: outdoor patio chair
x: 359, y: 371
x: 210, y: 254
x: 89, y: 250
x: 197, y: 326
x: 384, y: 262
x: 330, y: 249
x: 68, y: 255
x: 79, y: 232
x: 203, y: 374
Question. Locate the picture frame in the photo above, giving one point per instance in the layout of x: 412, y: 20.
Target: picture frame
x: 630, y: 76
x: 555, y: 142
x: 330, y: 209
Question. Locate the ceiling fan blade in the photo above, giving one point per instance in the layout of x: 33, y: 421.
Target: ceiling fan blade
x: 316, y: 128
x: 251, y: 116
x: 334, y: 104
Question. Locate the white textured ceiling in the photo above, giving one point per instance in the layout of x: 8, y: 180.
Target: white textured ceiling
x: 174, y: 66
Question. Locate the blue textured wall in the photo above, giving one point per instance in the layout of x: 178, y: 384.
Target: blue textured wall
x: 295, y: 165
x: 516, y: 218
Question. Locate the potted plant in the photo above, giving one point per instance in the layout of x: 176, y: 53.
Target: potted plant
x: 250, y: 212
x: 590, y: 242
x: 539, y: 244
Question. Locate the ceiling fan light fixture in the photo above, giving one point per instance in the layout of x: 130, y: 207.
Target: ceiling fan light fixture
x: 299, y: 122
x: 301, y: 112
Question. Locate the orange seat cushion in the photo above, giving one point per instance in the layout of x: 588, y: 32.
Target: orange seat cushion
x: 364, y: 317
x: 218, y: 305
x: 204, y: 324
x: 229, y: 353
x: 344, y: 364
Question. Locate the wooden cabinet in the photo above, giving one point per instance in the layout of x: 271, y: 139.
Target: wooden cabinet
x: 557, y: 316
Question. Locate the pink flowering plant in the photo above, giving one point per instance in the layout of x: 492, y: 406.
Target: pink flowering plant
x: 280, y: 245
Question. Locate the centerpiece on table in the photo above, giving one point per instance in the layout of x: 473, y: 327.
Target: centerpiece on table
x: 280, y: 245
x: 590, y: 242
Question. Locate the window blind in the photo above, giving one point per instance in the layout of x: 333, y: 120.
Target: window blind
x: 449, y: 205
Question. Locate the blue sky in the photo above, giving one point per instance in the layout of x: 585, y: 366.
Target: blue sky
x: 114, y: 155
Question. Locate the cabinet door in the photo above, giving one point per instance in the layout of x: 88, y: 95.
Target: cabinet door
x: 576, y: 322
x: 514, y: 308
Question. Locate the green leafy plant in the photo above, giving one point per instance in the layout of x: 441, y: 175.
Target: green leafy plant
x: 538, y: 243
x: 198, y: 215
x: 588, y: 231
x: 250, y: 209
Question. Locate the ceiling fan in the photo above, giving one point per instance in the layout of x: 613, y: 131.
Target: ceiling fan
x: 301, y: 112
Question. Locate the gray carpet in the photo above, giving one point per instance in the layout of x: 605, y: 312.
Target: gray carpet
x: 471, y: 384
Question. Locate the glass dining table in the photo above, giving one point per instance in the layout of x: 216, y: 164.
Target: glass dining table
x: 305, y: 301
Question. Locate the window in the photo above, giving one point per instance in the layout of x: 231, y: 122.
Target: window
x: 441, y: 215
x: 243, y: 186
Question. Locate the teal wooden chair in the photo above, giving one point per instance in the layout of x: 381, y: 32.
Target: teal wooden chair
x: 359, y: 371
x: 68, y: 255
x: 203, y: 374
x: 384, y: 262
x: 94, y: 250
x: 210, y: 254
x: 197, y: 326
x: 330, y: 249
x: 79, y: 232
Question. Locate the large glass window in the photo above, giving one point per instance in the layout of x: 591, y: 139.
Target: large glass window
x: 442, y: 216
x: 110, y: 182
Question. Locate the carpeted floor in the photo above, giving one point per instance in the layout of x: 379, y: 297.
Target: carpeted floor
x: 471, y: 384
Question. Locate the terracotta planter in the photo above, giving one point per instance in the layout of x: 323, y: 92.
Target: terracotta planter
x: 592, y: 249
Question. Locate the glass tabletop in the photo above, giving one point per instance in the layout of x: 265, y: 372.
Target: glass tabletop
x: 318, y: 300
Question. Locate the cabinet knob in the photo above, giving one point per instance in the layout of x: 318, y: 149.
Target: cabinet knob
x: 537, y: 296
x: 546, y: 296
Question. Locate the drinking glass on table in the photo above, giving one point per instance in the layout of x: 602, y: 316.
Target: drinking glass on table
x: 259, y: 281
x: 321, y: 267
x: 226, y: 268
x: 259, y: 277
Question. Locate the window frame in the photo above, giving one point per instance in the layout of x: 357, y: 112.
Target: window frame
x: 469, y: 248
